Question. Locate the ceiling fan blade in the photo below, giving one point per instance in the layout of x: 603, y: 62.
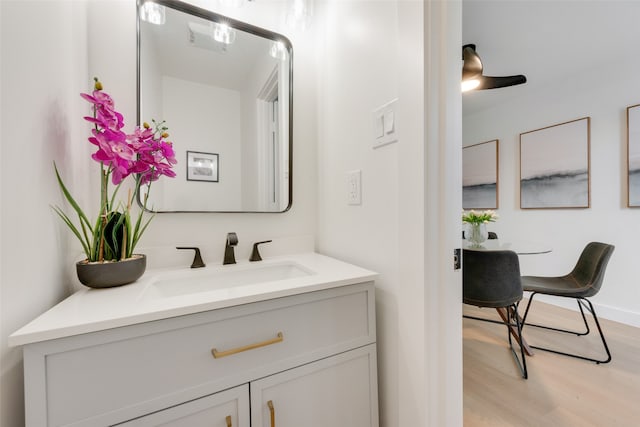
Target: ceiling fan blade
x: 472, y: 70
x: 489, y: 82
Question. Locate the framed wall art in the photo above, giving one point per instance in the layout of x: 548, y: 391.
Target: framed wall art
x: 480, y: 175
x: 633, y: 156
x: 202, y: 166
x: 554, y: 166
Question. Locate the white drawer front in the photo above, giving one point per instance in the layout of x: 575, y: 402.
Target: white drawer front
x: 151, y: 366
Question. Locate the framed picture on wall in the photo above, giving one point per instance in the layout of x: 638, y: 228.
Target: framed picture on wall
x: 554, y: 166
x: 633, y: 156
x: 202, y: 166
x: 480, y: 175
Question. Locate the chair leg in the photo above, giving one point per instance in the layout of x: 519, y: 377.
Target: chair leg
x: 581, y: 302
x: 483, y: 319
x: 512, y: 314
x: 584, y: 319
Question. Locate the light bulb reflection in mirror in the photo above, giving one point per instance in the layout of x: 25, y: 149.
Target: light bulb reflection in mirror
x: 152, y: 13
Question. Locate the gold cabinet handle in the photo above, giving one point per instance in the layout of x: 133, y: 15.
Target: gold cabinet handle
x: 218, y: 354
x: 228, y: 419
x: 272, y: 411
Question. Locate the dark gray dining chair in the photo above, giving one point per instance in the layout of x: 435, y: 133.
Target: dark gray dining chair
x: 584, y: 281
x: 492, y: 279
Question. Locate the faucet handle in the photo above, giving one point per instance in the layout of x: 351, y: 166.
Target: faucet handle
x: 255, y: 254
x: 197, y: 258
x: 232, y: 239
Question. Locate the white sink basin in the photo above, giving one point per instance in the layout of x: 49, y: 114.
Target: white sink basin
x: 224, y: 277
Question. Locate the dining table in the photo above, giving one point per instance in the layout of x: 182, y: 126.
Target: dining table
x: 521, y: 248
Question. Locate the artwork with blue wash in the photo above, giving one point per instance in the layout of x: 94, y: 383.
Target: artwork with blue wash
x: 633, y: 125
x: 480, y: 176
x: 554, y: 166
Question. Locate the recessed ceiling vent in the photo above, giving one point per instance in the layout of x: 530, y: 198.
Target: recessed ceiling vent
x: 215, y: 37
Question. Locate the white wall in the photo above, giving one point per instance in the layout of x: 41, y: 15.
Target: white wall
x: 355, y: 79
x: 253, y: 134
x: 43, y: 51
x: 50, y: 52
x: 602, y: 94
x: 372, y: 52
x: 151, y: 85
x: 211, y: 124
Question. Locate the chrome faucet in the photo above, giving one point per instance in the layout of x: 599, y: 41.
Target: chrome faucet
x: 229, y: 256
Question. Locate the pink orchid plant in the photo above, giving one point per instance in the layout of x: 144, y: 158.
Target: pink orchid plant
x: 145, y: 155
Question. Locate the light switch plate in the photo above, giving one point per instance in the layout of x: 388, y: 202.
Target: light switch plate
x: 385, y: 129
x: 354, y: 187
x: 378, y: 126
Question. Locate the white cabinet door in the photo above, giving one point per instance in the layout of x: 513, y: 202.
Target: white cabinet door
x: 339, y: 391
x: 229, y: 408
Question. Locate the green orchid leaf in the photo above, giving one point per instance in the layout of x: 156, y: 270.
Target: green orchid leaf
x: 70, y: 198
x: 74, y: 230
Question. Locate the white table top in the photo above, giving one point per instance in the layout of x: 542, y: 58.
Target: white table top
x: 519, y: 247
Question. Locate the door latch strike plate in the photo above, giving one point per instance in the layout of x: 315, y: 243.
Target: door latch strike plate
x: 456, y: 259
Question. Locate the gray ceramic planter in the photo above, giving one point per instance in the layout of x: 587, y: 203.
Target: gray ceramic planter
x: 111, y: 274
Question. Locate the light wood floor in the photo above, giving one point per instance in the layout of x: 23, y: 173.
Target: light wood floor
x: 561, y: 391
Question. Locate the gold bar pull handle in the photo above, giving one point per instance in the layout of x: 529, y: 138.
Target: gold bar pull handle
x: 272, y: 411
x: 228, y: 420
x: 218, y: 354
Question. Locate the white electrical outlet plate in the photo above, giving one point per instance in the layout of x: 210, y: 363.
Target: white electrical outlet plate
x: 354, y: 187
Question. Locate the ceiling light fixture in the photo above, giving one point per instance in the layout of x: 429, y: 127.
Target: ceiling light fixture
x: 299, y: 13
x: 470, y: 84
x: 472, y: 77
x: 236, y: 4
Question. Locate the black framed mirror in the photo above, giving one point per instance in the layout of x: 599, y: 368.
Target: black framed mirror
x: 224, y: 88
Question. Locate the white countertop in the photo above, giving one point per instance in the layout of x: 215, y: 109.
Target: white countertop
x: 91, y: 310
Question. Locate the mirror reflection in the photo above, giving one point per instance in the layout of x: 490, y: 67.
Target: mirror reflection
x: 224, y: 89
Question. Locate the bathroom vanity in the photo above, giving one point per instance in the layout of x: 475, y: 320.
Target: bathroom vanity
x: 288, y: 341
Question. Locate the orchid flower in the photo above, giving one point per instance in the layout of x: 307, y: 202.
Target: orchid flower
x: 145, y: 154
